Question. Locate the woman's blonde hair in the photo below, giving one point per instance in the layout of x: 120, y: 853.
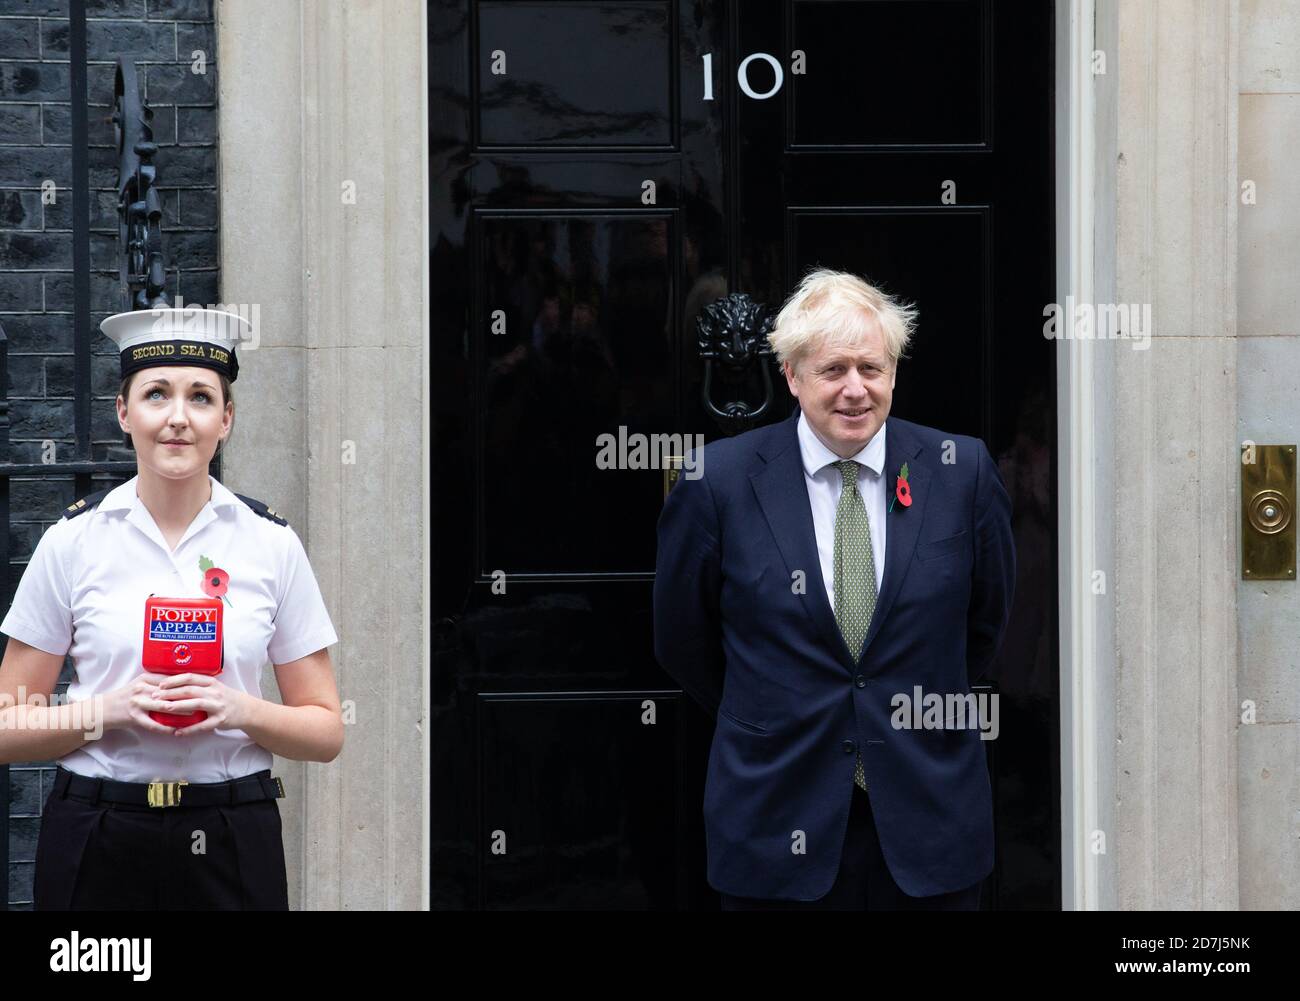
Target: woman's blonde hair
x: 226, y: 397
x: 831, y: 308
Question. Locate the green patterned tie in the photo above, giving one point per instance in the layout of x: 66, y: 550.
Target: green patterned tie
x: 855, y: 573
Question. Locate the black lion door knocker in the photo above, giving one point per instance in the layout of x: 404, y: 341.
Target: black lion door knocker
x: 732, y: 333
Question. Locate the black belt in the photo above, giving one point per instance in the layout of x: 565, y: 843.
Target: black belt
x: 247, y: 789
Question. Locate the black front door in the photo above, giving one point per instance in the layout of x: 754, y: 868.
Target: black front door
x: 600, y: 173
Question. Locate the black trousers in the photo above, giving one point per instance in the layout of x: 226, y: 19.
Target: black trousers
x: 863, y: 882
x: 95, y: 855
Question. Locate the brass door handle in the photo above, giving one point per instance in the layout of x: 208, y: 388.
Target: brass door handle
x: 672, y: 472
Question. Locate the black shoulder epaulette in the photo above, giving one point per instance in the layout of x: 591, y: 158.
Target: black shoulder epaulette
x: 86, y: 503
x: 262, y: 509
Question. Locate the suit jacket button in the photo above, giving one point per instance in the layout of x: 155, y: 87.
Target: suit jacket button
x: 861, y: 681
x: 849, y: 747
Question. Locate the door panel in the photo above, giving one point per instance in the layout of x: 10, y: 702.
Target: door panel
x: 556, y: 75
x: 585, y: 301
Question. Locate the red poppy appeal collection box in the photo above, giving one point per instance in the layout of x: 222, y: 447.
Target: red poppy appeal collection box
x: 182, y: 636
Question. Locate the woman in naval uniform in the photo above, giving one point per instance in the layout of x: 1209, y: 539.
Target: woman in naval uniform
x: 142, y: 815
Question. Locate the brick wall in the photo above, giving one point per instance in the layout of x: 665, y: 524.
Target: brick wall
x: 37, y: 311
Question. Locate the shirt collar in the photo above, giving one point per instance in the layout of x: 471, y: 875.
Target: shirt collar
x: 125, y: 498
x: 816, y: 456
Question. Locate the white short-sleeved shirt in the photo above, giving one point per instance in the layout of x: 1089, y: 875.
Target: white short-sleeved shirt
x: 83, y: 593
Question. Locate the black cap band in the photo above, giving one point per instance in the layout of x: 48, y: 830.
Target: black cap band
x: 201, y: 354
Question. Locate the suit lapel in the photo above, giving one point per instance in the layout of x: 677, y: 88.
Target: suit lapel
x: 903, y: 524
x: 783, y: 496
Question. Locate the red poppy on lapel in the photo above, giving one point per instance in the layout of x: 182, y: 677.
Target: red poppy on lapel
x: 902, y: 492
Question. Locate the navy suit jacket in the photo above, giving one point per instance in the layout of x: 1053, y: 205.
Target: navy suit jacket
x: 792, y: 703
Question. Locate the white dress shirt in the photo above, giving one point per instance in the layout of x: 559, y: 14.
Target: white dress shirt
x: 83, y: 594
x: 825, y: 484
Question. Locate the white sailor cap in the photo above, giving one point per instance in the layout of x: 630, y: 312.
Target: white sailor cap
x: 188, y: 335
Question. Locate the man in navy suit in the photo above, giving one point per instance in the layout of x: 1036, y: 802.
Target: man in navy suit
x: 803, y: 595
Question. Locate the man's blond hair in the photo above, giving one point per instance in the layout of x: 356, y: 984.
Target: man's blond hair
x: 835, y: 308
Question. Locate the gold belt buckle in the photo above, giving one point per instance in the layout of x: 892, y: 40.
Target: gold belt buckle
x: 166, y: 793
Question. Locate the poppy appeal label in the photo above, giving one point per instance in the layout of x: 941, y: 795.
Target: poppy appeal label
x: 182, y: 633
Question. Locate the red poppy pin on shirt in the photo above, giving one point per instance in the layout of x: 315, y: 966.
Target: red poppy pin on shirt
x: 902, y: 492
x: 215, y: 580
